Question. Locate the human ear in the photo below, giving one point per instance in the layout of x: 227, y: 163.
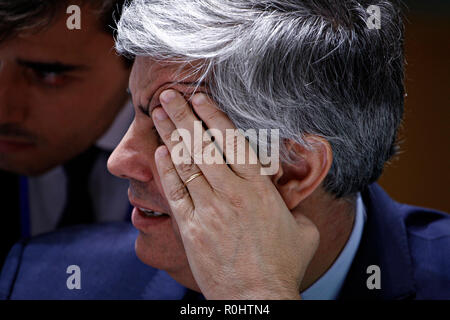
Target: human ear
x: 296, y: 181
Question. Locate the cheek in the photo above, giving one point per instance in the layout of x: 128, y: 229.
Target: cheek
x: 53, y: 118
x: 67, y: 125
x: 158, y: 183
x: 64, y: 106
x: 147, y: 138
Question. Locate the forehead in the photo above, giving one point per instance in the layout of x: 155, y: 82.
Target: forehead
x: 148, y: 75
x: 57, y: 42
x: 147, y: 72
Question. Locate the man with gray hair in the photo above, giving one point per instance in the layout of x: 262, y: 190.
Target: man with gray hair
x: 318, y: 228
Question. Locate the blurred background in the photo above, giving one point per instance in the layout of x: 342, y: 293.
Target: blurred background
x: 420, y: 175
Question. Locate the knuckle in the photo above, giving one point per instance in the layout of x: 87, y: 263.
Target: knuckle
x: 236, y: 200
x: 236, y: 146
x: 207, y: 146
x: 168, y: 136
x: 213, y: 115
x: 178, y: 193
x: 198, y: 149
x: 168, y: 171
x: 181, y: 114
x: 186, y: 169
x: 211, y: 138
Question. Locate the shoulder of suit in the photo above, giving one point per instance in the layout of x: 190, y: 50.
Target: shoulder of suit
x: 104, y: 255
x: 428, y: 233
x: 110, y: 232
x: 97, y: 243
x: 425, y: 223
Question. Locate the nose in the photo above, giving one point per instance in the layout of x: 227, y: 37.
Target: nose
x: 13, y: 95
x: 132, y: 157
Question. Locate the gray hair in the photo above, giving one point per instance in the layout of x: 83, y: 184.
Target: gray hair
x: 310, y: 67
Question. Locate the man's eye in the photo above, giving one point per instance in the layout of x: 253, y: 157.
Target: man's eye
x: 51, y: 78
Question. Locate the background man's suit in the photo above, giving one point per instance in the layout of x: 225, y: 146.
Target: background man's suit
x: 410, y: 245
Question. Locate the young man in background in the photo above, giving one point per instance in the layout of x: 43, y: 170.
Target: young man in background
x: 63, y: 109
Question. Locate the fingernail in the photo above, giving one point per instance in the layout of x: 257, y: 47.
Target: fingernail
x: 159, y: 114
x: 167, y: 96
x: 199, y: 99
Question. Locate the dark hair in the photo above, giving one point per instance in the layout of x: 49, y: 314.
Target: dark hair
x: 25, y: 15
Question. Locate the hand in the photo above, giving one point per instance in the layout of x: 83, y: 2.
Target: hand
x: 241, y: 240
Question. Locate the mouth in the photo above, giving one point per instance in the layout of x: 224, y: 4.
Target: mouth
x: 148, y: 218
x: 8, y: 144
x: 151, y: 213
x: 145, y: 211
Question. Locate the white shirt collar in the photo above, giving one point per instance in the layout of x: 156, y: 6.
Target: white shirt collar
x: 329, y: 285
x: 117, y: 130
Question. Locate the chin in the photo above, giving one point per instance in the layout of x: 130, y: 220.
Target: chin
x: 173, y: 262
x: 33, y: 162
x: 165, y: 257
x: 24, y: 168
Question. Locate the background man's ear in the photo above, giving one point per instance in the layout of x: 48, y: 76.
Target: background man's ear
x: 296, y: 181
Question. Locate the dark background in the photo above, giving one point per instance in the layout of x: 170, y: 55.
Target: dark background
x: 420, y: 175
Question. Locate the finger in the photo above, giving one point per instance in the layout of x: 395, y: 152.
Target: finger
x: 241, y: 157
x: 176, y: 193
x: 199, y: 187
x: 206, y: 155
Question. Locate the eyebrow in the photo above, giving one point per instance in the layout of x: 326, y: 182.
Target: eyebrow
x: 50, y: 66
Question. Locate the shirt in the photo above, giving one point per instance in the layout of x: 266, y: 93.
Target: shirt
x: 329, y: 285
x: 47, y: 193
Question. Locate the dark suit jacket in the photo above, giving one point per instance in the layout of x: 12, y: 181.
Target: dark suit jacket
x: 10, y: 228
x: 410, y: 245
